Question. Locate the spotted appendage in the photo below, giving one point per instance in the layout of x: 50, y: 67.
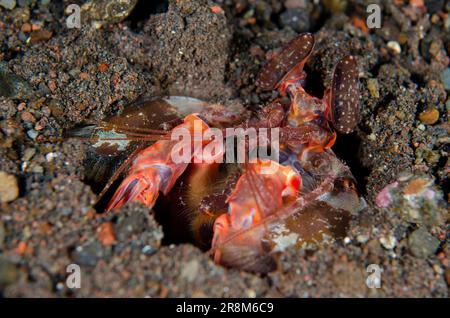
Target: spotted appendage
x: 293, y: 56
x: 344, y: 98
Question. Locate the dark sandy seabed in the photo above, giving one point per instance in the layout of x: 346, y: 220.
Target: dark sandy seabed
x: 52, y: 77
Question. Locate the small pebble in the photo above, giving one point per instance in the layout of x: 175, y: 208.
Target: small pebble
x: 75, y: 72
x: 43, y: 88
x: 362, y: 239
x: 103, y: 12
x: 149, y: 250
x: 9, y: 189
x: 60, y: 286
x: 388, y: 242
x: 416, y: 186
x: 447, y: 22
x: 103, y: 67
x: 395, y: 47
x: 52, y: 85
x: 26, y: 28
x: 372, y: 137
x: 445, y: 75
x: 429, y: 116
x: 372, y: 86
x: 32, y: 133
x: 21, y: 107
x: 28, y: 117
x: 50, y: 156
x: 8, y: 4
x: 217, y: 10
x: 37, y: 169
x: 39, y: 36
x: 422, y: 244
x: 251, y: 293
x: 435, y: 48
x: 40, y: 124
x: 106, y: 234
x: 28, y: 154
x: 438, y: 269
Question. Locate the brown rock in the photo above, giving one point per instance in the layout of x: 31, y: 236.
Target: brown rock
x: 106, y: 234
x: 40, y: 124
x: 416, y: 186
x: 52, y: 85
x: 9, y: 189
x: 27, y: 116
x: 26, y: 28
x: 40, y: 36
x: 429, y: 116
x: 21, y: 107
x: 103, y: 67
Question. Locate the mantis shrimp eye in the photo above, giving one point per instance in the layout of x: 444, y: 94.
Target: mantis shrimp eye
x: 346, y: 184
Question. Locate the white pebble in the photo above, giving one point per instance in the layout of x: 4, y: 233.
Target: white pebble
x: 32, y: 133
x: 50, y: 156
x: 394, y: 47
x: 388, y: 242
x: 372, y: 137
